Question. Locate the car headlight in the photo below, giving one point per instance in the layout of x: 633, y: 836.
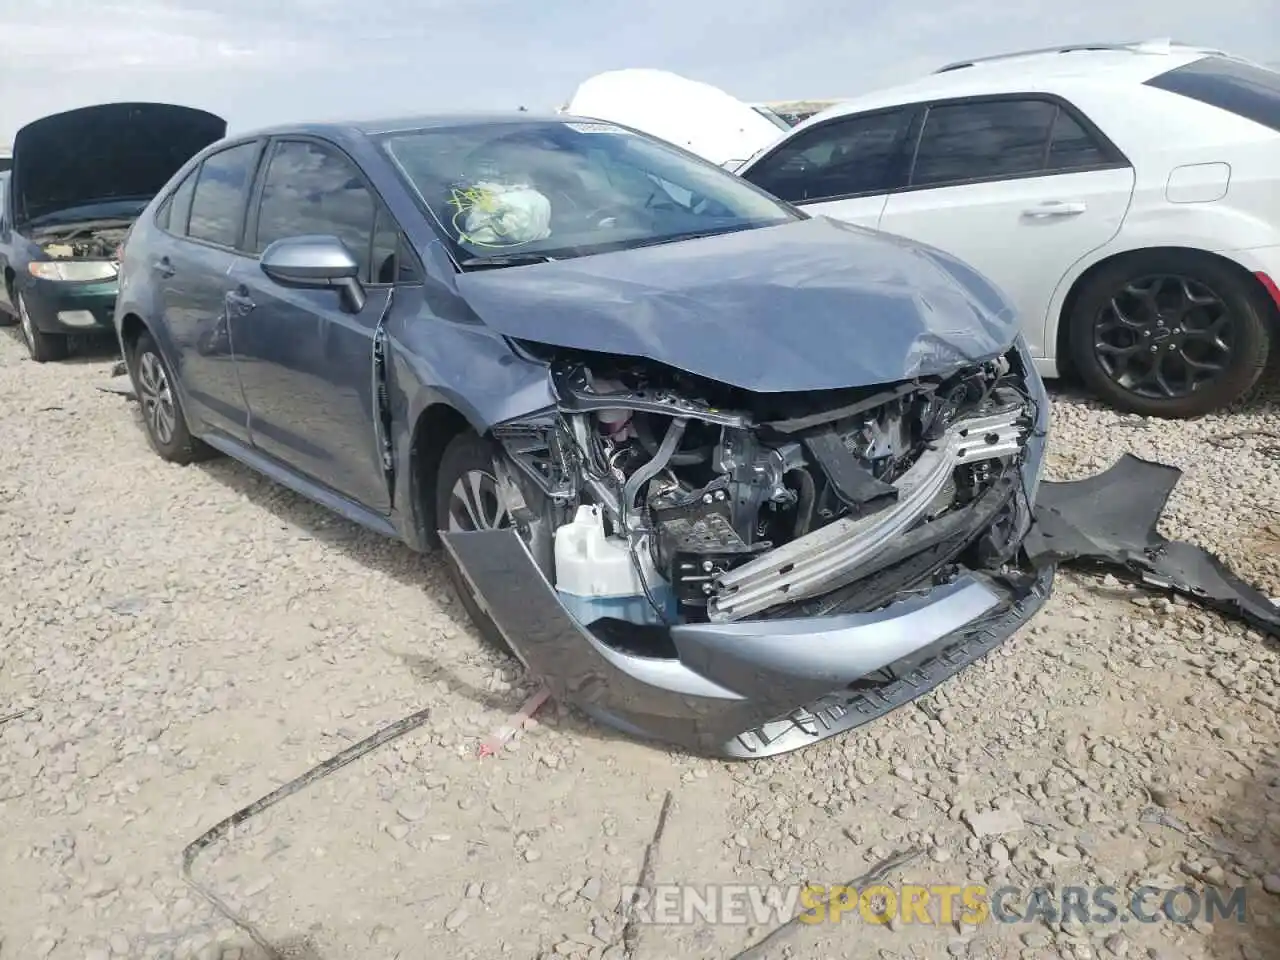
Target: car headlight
x: 73, y: 271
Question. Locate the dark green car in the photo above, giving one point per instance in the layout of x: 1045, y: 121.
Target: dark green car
x: 77, y: 182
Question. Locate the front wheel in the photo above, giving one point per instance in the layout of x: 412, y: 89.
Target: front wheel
x: 1169, y: 334
x: 42, y: 347
x: 468, y: 498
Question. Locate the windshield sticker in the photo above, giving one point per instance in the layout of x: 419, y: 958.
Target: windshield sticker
x: 594, y: 127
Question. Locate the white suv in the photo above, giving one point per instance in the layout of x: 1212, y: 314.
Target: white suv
x: 1126, y: 197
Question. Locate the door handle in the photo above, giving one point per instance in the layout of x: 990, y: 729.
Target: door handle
x: 238, y: 302
x: 1056, y: 208
x: 164, y: 267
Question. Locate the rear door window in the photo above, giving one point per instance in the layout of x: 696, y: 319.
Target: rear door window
x: 221, y: 191
x: 982, y: 140
x: 863, y: 154
x: 1232, y: 85
x: 310, y: 188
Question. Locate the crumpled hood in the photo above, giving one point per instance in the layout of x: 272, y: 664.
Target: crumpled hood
x: 105, y: 152
x: 810, y: 305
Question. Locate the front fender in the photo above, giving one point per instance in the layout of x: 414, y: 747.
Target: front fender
x: 466, y: 368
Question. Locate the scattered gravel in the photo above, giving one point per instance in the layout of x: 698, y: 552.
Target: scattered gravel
x: 175, y: 643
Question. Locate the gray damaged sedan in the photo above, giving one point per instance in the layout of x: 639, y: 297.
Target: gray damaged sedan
x: 720, y: 473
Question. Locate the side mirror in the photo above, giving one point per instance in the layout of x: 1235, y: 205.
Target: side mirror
x: 315, y: 262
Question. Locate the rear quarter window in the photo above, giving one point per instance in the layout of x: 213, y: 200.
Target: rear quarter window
x: 1232, y: 85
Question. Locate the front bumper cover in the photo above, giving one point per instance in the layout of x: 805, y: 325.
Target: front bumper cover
x: 70, y: 308
x: 1110, y: 520
x: 747, y: 689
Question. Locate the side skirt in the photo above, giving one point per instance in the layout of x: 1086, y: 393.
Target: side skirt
x: 275, y: 470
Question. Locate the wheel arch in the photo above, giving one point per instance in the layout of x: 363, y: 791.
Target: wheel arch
x: 132, y: 326
x: 435, y: 427
x: 1062, y: 336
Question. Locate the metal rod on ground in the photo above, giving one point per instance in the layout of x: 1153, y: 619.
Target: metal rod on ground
x: 892, y: 862
x: 630, y: 931
x: 220, y: 829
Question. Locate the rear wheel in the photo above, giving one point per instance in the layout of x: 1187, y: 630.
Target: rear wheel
x: 1169, y: 334
x: 468, y: 498
x: 42, y: 347
x: 162, y: 414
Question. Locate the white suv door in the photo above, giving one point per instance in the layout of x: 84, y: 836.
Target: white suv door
x: 844, y: 167
x: 1020, y: 188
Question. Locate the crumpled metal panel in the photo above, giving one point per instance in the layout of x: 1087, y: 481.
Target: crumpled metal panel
x: 812, y: 304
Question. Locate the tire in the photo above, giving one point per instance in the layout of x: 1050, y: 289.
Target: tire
x: 1175, y: 301
x: 42, y: 347
x: 163, y: 418
x: 8, y: 319
x: 466, y: 454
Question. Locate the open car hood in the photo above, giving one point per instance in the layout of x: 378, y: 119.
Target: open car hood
x: 696, y: 116
x: 105, y: 152
x: 809, y: 305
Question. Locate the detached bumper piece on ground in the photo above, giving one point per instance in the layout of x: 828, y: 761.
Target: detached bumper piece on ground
x: 1110, y: 519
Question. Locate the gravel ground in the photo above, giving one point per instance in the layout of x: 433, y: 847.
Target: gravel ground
x: 178, y: 642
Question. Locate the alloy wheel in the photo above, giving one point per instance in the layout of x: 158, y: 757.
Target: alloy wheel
x: 156, y: 396
x: 1164, y: 337
x: 475, y: 504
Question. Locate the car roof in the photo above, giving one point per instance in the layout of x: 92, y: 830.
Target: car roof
x: 1034, y: 70
x: 393, y: 124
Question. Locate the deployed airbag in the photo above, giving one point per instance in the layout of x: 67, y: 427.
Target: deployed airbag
x: 1111, y: 519
x: 503, y: 215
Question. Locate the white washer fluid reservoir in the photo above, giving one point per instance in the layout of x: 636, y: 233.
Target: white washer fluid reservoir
x: 595, y: 575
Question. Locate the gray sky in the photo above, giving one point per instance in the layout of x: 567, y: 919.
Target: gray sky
x: 261, y: 61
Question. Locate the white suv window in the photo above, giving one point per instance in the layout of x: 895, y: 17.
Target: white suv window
x: 843, y: 157
x: 1231, y: 85
x: 1008, y: 137
x: 982, y: 140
